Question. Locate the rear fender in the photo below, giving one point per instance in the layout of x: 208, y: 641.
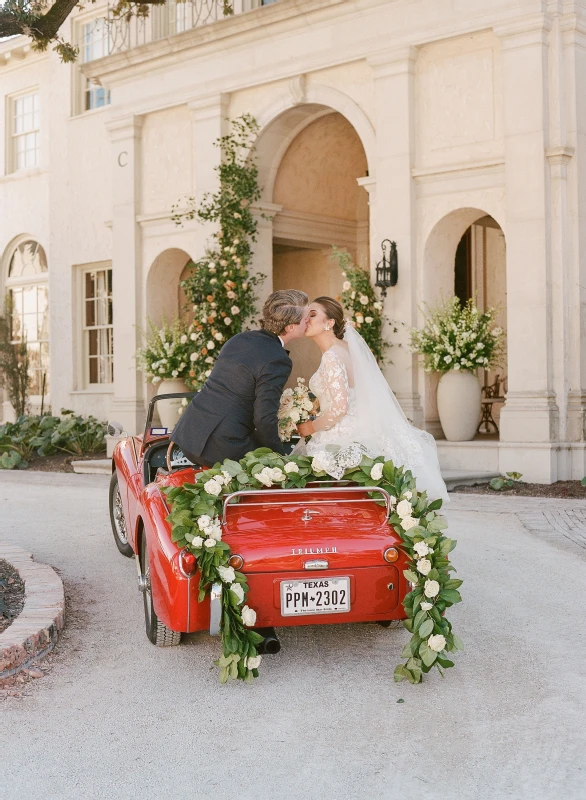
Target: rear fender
x: 174, y: 596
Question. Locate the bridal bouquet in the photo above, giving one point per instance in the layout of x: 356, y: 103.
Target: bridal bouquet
x: 296, y: 406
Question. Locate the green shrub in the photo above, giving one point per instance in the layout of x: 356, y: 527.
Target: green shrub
x: 48, y: 435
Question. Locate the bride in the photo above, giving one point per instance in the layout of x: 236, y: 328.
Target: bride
x: 359, y: 414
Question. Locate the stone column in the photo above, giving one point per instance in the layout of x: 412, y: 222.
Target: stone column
x: 530, y: 413
x: 262, y: 259
x: 574, y: 55
x: 128, y: 402
x: 393, y: 211
x: 208, y: 124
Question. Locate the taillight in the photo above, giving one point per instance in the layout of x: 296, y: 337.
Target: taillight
x: 390, y: 555
x: 187, y: 563
x: 236, y: 561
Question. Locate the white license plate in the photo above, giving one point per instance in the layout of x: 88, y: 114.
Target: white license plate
x: 315, y: 596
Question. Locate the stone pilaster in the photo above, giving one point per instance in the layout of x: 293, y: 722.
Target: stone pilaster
x: 128, y: 402
x: 392, y: 209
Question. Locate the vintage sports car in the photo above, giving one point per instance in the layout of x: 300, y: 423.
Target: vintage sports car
x: 320, y: 555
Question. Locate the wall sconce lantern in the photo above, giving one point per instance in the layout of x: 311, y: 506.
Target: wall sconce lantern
x: 387, y: 270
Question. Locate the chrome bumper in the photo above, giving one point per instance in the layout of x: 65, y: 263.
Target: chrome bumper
x: 215, y: 609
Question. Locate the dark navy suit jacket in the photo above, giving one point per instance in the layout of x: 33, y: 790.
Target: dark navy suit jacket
x: 236, y: 409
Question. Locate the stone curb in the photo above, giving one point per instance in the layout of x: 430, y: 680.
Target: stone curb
x: 37, y: 628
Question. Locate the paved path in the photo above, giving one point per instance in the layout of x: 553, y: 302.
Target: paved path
x: 117, y: 718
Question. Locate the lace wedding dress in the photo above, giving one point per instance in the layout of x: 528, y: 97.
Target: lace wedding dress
x: 359, y: 415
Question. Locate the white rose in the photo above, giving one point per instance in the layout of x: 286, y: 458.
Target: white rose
x: 295, y: 415
x: 378, y: 306
x: 409, y: 522
x: 215, y: 531
x: 183, y: 339
x: 359, y: 318
x: 227, y: 574
x: 213, y: 280
x: 237, y: 589
x: 204, y: 521
x: 210, y: 542
x: 248, y: 616
x: 264, y: 476
x: 353, y: 295
x: 253, y: 662
x: 213, y: 487
x: 426, y: 606
x: 424, y: 566
x: 364, y: 299
x: 431, y: 589
x: 207, y: 373
x: 408, y: 495
x: 211, y: 345
x: 307, y: 404
x: 231, y: 294
x: 404, y: 509
x: 346, y: 285
x: 368, y: 319
x: 219, y: 336
x: 194, y: 357
x: 393, y: 499
x: 317, y: 465
x: 376, y: 472
x: 209, y: 360
x: 277, y: 475
x: 197, y: 541
x: 436, y: 642
x: 235, y: 310
x: 421, y: 549
x: 291, y: 466
x: 227, y: 476
x: 227, y: 321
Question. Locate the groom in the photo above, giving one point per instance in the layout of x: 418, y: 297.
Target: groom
x: 236, y: 409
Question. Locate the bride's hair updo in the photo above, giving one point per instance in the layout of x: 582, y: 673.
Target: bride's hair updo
x: 335, y: 312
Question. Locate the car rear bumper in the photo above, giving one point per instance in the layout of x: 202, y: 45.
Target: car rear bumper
x: 375, y: 594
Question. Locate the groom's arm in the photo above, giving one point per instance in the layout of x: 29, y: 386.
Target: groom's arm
x: 269, y: 388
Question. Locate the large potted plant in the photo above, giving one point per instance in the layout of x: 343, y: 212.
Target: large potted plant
x: 457, y: 341
x: 165, y: 359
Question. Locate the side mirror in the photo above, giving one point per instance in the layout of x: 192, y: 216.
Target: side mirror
x: 115, y: 429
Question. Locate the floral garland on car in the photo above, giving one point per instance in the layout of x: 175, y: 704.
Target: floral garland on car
x: 220, y: 290
x: 196, y: 509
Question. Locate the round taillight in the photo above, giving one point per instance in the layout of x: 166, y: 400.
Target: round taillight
x: 187, y: 563
x: 236, y: 561
x: 390, y: 555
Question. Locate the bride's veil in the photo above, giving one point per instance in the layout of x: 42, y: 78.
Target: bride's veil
x: 381, y: 422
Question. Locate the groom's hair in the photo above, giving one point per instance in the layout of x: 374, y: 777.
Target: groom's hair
x: 283, y: 308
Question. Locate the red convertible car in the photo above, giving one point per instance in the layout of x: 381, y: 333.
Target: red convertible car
x: 315, y: 556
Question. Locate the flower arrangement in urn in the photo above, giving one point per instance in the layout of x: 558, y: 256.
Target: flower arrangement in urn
x: 167, y: 350
x: 456, y: 341
x: 296, y: 406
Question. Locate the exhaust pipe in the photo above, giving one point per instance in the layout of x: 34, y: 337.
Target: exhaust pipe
x: 271, y: 643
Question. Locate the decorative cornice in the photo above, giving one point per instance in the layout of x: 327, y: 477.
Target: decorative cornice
x: 399, y: 61
x: 524, y: 31
x: 559, y: 155
x: 209, y: 106
x: 458, y: 170
x: 124, y: 127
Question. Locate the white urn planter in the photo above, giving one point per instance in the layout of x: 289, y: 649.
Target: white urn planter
x: 170, y: 410
x: 459, y: 405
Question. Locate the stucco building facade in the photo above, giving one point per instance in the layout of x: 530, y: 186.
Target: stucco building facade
x: 457, y: 130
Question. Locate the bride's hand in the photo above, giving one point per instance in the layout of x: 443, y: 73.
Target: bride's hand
x: 305, y: 428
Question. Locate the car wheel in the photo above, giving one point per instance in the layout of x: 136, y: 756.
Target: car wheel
x: 117, y: 518
x: 157, y: 633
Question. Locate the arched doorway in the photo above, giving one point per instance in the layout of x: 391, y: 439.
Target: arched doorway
x: 164, y: 296
x: 27, y: 302
x: 321, y: 204
x: 465, y: 255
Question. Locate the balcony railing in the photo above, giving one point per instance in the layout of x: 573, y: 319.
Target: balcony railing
x: 175, y: 16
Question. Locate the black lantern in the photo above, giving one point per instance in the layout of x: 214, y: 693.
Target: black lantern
x: 387, y: 270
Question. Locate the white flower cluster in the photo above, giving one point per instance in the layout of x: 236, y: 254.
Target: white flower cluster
x: 215, y: 485
x: 210, y: 528
x: 458, y: 338
x: 166, y: 353
x: 269, y: 475
x: 296, y: 406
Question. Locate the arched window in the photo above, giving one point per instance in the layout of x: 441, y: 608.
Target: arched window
x: 27, y: 287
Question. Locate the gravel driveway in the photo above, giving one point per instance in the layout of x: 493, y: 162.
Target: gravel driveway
x: 118, y: 718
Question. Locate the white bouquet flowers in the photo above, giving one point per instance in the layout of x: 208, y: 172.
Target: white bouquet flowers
x: 456, y: 337
x: 296, y: 406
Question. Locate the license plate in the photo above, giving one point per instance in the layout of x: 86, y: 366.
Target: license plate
x: 315, y: 596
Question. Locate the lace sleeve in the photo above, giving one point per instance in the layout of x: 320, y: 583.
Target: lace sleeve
x: 335, y: 378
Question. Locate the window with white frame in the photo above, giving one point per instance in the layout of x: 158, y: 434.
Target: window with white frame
x: 28, y: 297
x: 25, y: 125
x: 95, y: 43
x: 97, y: 326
